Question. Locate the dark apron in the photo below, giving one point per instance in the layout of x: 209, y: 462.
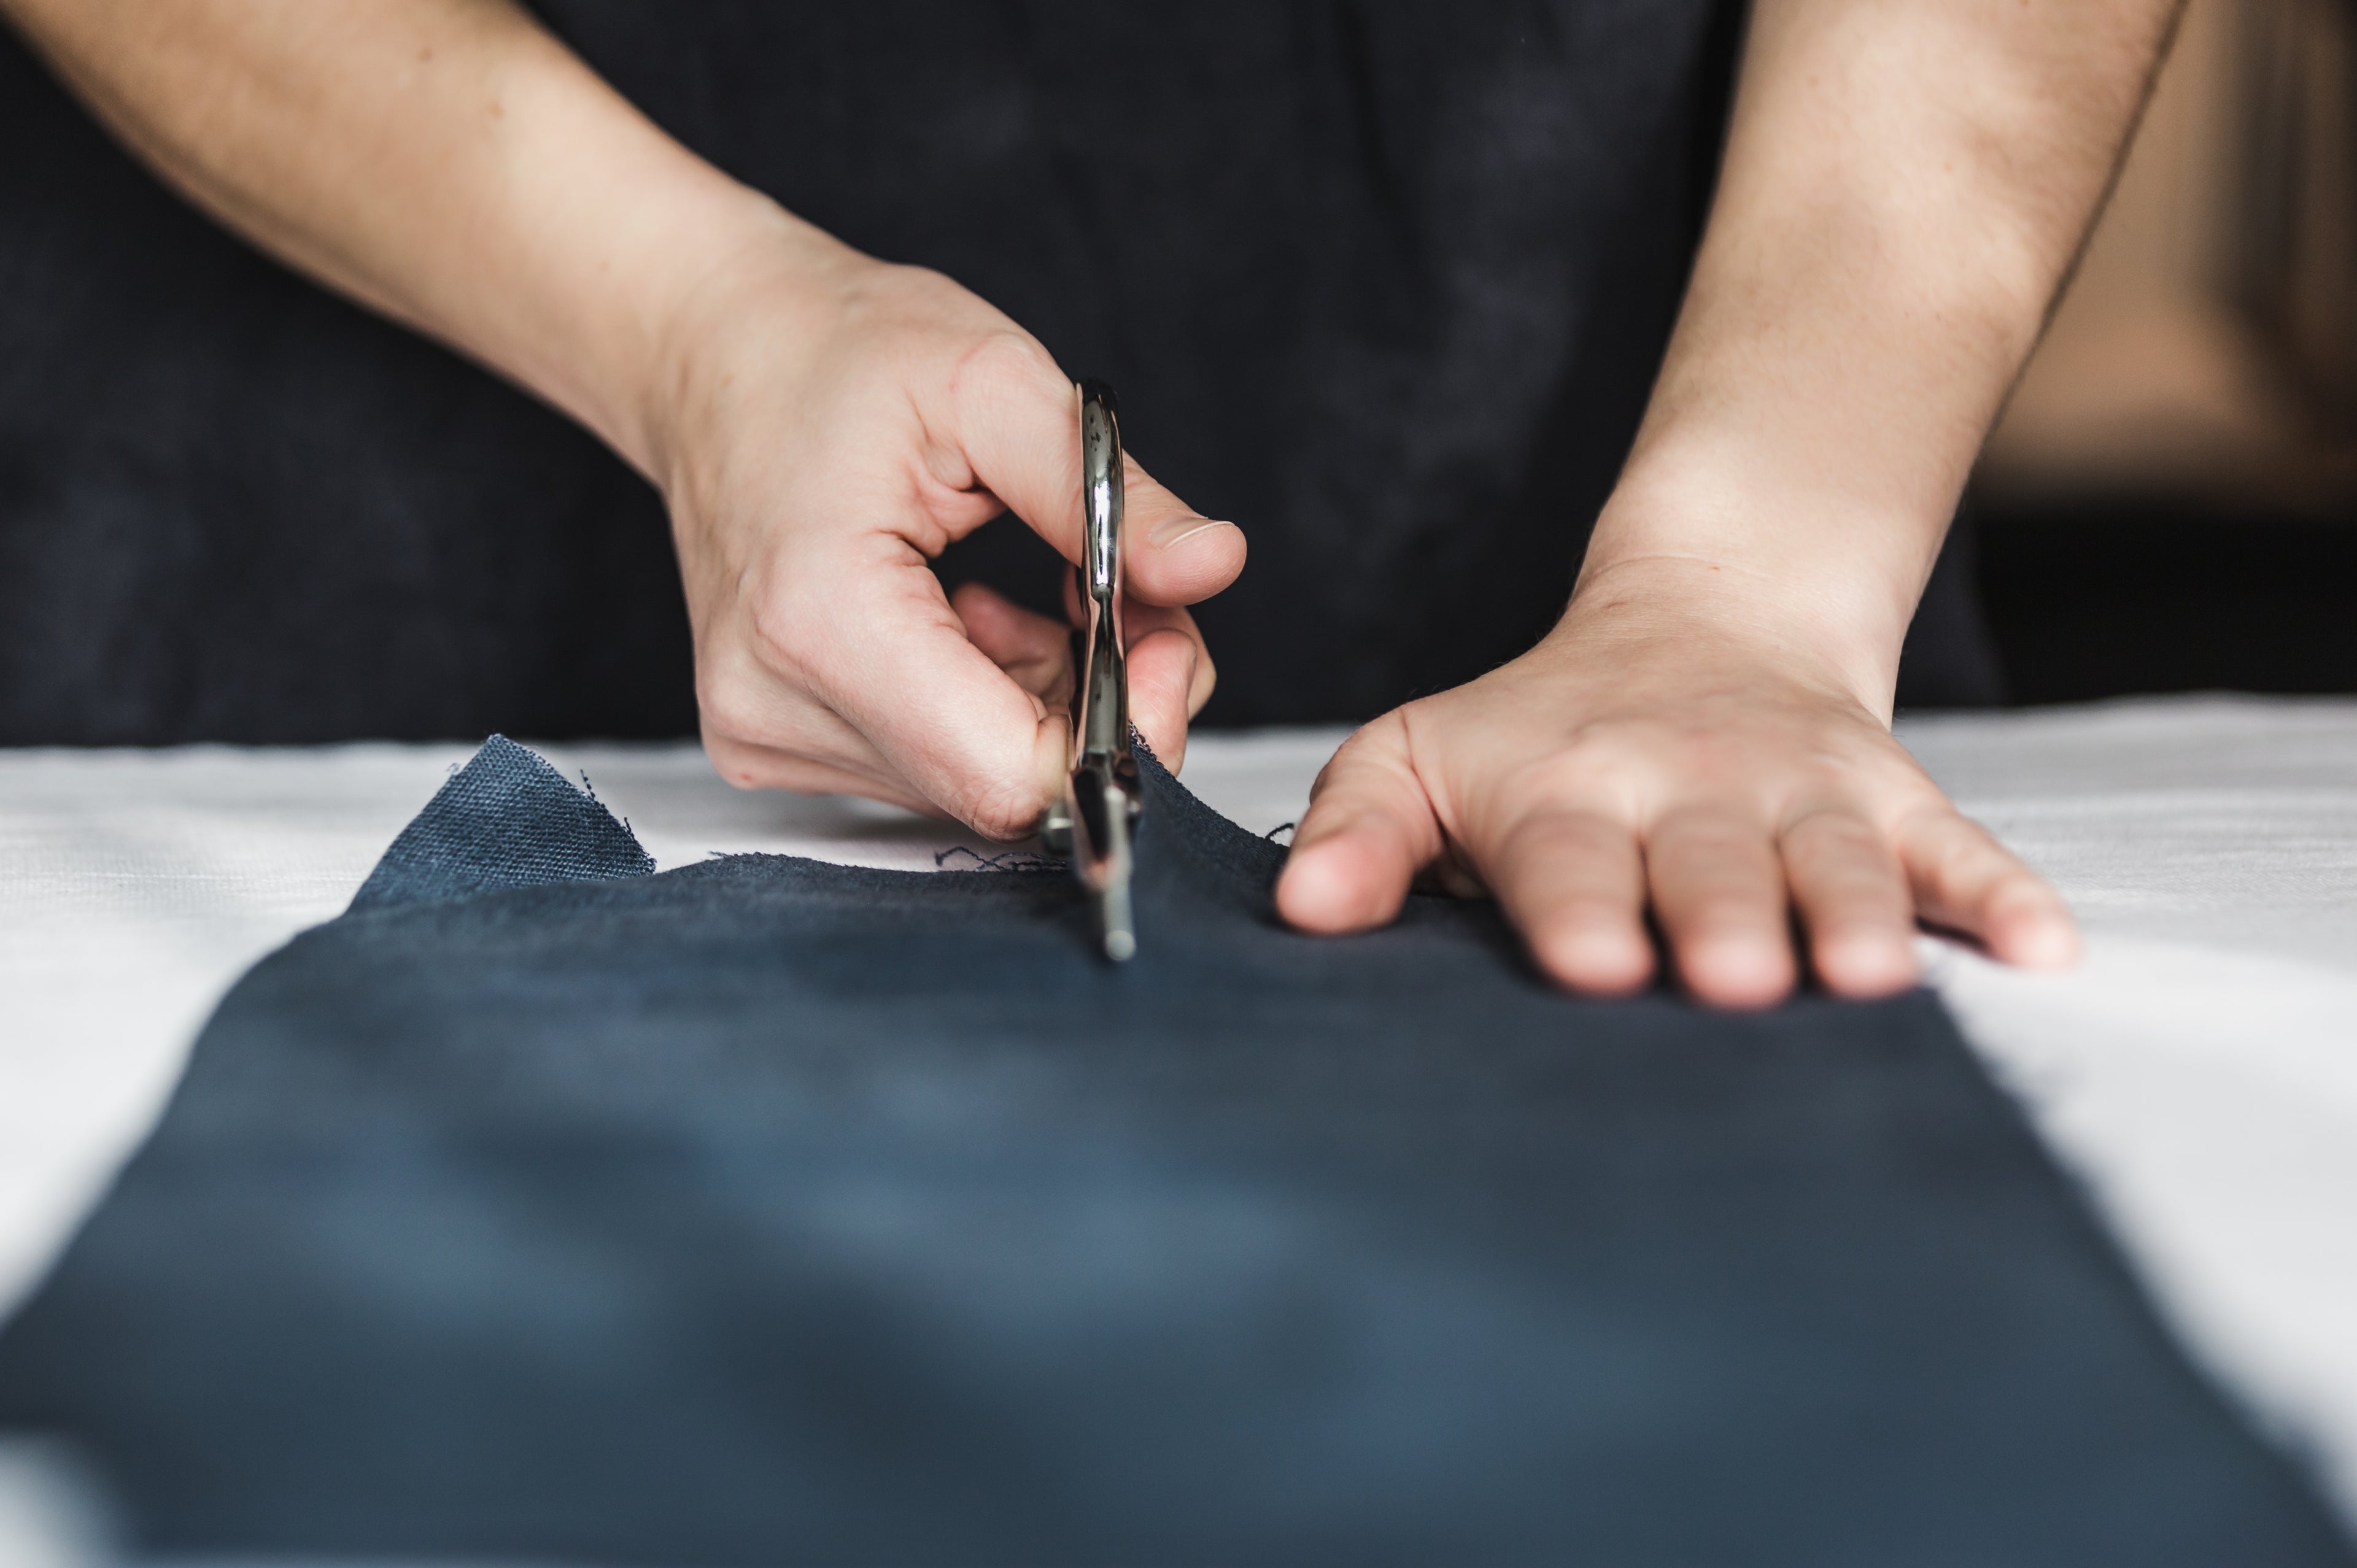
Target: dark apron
x: 1386, y: 286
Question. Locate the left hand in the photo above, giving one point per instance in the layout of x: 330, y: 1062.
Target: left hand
x: 1649, y: 756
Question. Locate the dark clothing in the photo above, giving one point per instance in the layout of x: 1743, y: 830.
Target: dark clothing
x: 768, y: 1211
x: 1386, y: 285
x: 233, y: 507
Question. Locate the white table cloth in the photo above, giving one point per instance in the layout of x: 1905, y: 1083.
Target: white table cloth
x: 2199, y: 1070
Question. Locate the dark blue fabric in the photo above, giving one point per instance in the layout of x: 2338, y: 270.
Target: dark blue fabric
x: 768, y: 1211
x: 505, y: 820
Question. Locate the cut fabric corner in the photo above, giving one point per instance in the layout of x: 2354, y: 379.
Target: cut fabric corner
x: 507, y: 819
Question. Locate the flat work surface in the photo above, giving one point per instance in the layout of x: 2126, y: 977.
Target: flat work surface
x: 2200, y: 1068
x: 544, y: 1209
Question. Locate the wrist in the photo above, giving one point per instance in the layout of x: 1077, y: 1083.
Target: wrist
x: 1691, y: 611
x: 735, y: 258
x: 1810, y: 574
x: 762, y: 288
x: 602, y: 243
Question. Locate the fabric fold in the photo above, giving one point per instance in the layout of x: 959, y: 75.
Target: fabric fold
x: 506, y: 818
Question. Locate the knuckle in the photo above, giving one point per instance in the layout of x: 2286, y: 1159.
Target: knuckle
x: 1003, y: 813
x: 1590, y: 771
x: 895, y: 293
x: 1363, y: 750
x: 730, y: 717
x: 739, y: 705
x: 1553, y: 831
x: 1956, y: 846
x: 1004, y: 361
x: 740, y: 766
x: 1831, y: 833
x: 917, y: 279
x: 1713, y: 831
x: 789, y: 637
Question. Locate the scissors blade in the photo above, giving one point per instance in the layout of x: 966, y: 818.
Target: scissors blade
x: 1104, y: 806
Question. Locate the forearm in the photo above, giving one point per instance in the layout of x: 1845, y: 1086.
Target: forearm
x: 1904, y: 189
x: 444, y: 161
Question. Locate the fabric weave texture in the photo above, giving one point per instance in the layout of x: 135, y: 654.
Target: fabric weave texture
x: 766, y: 1210
x: 507, y: 819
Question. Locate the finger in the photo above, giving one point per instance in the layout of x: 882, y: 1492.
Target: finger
x: 1369, y: 830
x: 1963, y: 879
x: 1719, y: 894
x: 1161, y: 674
x: 1572, y: 883
x: 1171, y: 554
x: 1033, y: 649
x: 876, y: 640
x: 752, y: 766
x: 763, y: 732
x: 1854, y: 900
x: 1016, y: 420
x: 1170, y: 675
x: 1140, y: 621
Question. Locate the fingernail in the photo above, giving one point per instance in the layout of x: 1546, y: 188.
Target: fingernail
x: 1178, y: 529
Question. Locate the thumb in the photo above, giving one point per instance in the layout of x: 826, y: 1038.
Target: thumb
x: 1016, y: 418
x: 1369, y: 830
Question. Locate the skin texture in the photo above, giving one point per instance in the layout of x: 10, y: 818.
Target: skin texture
x: 1705, y: 734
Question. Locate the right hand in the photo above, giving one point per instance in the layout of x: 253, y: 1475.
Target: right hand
x: 828, y: 423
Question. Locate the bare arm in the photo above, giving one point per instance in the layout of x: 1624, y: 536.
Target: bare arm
x: 1706, y: 731
x: 1904, y: 190
x: 444, y: 161
x: 820, y: 422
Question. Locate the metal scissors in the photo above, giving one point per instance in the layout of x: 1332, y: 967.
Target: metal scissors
x: 1096, y: 820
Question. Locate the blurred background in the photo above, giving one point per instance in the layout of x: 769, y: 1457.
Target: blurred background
x: 2170, y: 502
x: 201, y: 544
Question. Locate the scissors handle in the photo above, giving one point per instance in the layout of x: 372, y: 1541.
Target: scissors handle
x: 1101, y: 717
x: 1101, y: 799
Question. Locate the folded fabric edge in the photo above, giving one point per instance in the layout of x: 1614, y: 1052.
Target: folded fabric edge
x: 507, y: 819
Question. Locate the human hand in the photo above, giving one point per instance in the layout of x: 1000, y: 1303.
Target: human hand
x: 829, y: 425
x: 1645, y: 757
